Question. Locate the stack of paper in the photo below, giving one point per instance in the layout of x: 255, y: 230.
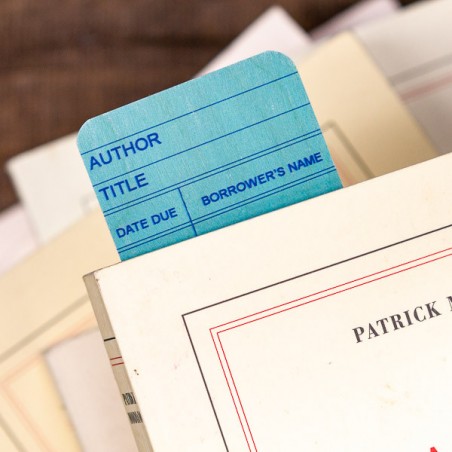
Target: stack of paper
x: 381, y: 97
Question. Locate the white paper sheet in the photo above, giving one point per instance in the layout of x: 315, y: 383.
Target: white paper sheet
x: 53, y: 186
x: 413, y: 48
x: 83, y: 376
x: 16, y: 237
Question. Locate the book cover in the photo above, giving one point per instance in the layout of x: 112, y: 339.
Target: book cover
x: 322, y: 326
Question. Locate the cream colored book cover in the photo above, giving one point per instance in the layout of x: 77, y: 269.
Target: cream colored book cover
x: 322, y: 326
x: 43, y: 301
x: 367, y: 128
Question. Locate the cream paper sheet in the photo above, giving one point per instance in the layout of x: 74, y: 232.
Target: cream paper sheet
x: 43, y: 301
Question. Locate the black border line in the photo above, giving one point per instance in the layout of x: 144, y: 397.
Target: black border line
x: 283, y: 282
x: 205, y: 384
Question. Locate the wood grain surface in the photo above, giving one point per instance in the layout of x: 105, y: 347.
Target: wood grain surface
x: 62, y: 62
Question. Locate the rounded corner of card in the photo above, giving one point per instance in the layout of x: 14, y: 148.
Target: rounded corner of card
x: 82, y: 134
x: 280, y: 58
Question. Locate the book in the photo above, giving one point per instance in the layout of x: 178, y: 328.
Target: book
x: 322, y: 326
x: 43, y: 301
x: 412, y: 48
x: 79, y: 365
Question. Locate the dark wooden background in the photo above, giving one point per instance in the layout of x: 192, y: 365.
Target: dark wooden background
x: 63, y: 61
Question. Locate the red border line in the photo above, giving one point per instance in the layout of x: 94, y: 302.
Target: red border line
x: 230, y: 391
x: 335, y: 293
x: 302, y: 304
x: 116, y: 364
x: 116, y: 357
x: 331, y: 288
x: 427, y: 88
x: 236, y: 391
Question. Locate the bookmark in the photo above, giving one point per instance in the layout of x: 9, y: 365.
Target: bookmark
x: 216, y: 150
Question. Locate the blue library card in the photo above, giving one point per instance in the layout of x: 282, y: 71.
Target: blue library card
x: 216, y: 150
